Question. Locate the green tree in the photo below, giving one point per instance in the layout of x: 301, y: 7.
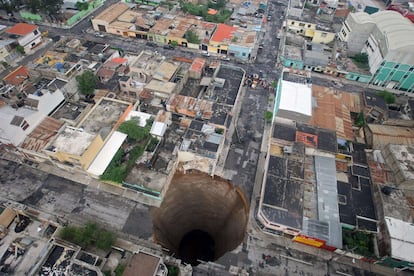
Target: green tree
x: 88, y: 235
x: 133, y: 130
x: 87, y: 82
x: 388, y: 97
x: 119, y: 270
x: 51, y: 7
x: 82, y: 6
x: 360, y: 120
x: 268, y: 116
x: 174, y: 43
x: 105, y: 240
x: 192, y: 37
x: 20, y: 49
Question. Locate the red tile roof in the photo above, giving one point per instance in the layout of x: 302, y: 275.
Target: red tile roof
x: 119, y: 60
x: 198, y: 64
x: 22, y: 29
x: 223, y: 32
x: 17, y: 77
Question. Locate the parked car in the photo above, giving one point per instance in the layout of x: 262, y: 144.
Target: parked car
x: 169, y: 47
x: 205, y: 53
x: 151, y: 44
x: 99, y: 35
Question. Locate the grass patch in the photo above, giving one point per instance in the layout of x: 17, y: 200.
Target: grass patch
x: 88, y: 235
x: 361, y: 60
x: 125, y: 158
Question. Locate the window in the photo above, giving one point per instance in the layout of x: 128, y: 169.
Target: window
x: 324, y: 34
x: 24, y: 125
x: 35, y: 32
x: 301, y: 24
x: 343, y: 33
x: 309, y: 25
x: 292, y: 23
x: 347, y: 27
x: 396, y: 66
x: 411, y: 69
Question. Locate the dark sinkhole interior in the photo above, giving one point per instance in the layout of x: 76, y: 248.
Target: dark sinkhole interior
x: 200, y: 218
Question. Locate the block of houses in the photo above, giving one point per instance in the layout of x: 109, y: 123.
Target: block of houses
x: 27, y: 35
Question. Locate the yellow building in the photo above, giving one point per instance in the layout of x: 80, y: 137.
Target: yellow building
x: 221, y: 39
x: 76, y: 147
x: 310, y: 30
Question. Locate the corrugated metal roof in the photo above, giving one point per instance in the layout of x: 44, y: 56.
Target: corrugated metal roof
x: 327, y: 194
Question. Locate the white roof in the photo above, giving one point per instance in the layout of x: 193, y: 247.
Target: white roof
x: 143, y: 117
x: 105, y: 155
x: 158, y: 129
x: 296, y: 97
x: 15, y: 134
x: 398, y: 30
x: 402, y: 239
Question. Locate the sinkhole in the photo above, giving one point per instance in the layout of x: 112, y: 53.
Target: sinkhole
x: 200, y: 218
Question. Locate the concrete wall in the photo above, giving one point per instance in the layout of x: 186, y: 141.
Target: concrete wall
x: 357, y: 36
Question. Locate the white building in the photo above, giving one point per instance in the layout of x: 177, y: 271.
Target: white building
x: 382, y: 35
x: 28, y: 36
x: 18, y: 123
x: 294, y: 101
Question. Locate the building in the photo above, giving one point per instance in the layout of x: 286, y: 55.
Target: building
x: 378, y: 136
x: 242, y: 44
x: 18, y: 122
x: 76, y: 147
x: 388, y: 39
x: 402, y: 239
x: 221, y: 39
x: 400, y: 159
x: 293, y: 101
x: 312, y: 23
x: 101, y: 22
x: 7, y: 51
x: 147, y: 265
x: 28, y: 36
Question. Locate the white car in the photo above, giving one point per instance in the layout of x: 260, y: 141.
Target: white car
x: 205, y: 53
x: 99, y: 35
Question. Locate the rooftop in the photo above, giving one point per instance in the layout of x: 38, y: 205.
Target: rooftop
x: 398, y: 30
x: 403, y: 158
x: 17, y: 77
x: 104, y: 117
x: 402, y: 238
x: 327, y: 195
x: 295, y: 97
x: 146, y: 264
x: 333, y: 110
x: 356, y: 207
x: 283, y: 192
x: 112, y: 12
x: 384, y: 134
x: 21, y: 29
x: 224, y: 33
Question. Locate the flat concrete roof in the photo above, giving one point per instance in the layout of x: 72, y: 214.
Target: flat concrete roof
x: 142, y: 264
x: 283, y: 192
x: 100, y: 120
